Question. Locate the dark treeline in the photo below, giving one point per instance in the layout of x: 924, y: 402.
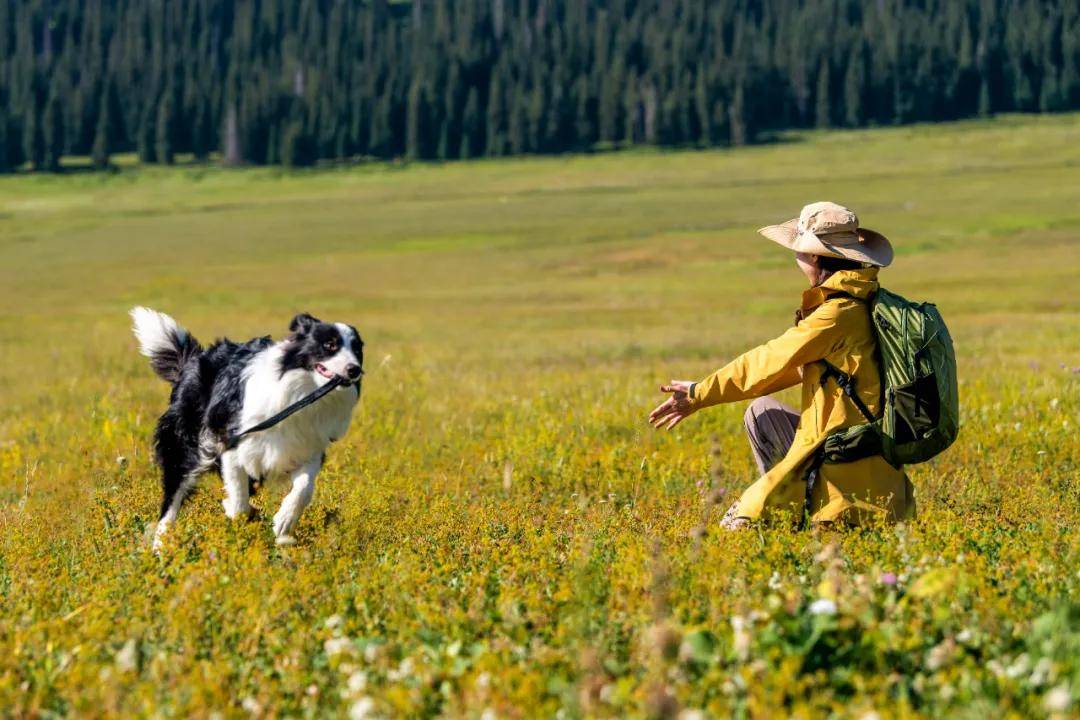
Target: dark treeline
x: 295, y: 81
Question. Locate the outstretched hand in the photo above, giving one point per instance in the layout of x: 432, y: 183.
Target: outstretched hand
x: 676, y: 408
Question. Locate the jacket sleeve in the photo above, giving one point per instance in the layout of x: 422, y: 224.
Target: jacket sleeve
x: 774, y: 365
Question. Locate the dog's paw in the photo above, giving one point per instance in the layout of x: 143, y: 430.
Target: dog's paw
x: 285, y: 540
x: 236, y: 511
x: 282, y: 524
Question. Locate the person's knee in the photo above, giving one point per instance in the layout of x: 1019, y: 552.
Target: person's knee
x: 755, y: 410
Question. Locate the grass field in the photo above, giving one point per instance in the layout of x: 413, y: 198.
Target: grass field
x: 501, y: 534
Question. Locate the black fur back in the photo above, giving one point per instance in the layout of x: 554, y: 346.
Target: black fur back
x: 208, y: 393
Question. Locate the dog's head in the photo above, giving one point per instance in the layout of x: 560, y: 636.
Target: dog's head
x: 327, y: 350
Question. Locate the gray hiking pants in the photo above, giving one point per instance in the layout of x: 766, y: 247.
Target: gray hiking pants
x: 770, y: 425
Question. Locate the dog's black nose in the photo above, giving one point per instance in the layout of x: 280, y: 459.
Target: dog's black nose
x: 353, y: 371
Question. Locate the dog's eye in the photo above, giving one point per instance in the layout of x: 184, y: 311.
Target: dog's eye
x: 330, y: 345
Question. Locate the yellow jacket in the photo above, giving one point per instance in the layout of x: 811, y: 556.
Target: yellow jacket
x: 835, y: 328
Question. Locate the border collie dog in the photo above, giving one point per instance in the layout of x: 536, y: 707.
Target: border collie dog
x: 222, y: 390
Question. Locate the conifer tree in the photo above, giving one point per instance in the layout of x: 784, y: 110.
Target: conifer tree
x: 5, y: 158
x: 414, y: 116
x: 457, y: 78
x: 165, y: 149
x: 53, y: 133
x: 99, y: 156
x: 823, y: 98
x: 231, y: 153
x: 470, y: 126
x: 33, y: 139
x: 853, y: 88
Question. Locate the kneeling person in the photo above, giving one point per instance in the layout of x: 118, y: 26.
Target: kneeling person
x: 832, y: 331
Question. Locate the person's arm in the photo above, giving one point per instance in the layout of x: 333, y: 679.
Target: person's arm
x: 774, y: 365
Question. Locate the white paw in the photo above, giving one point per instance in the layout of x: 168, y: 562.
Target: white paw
x: 282, y: 524
x: 285, y: 540
x: 235, y: 510
x: 159, y: 537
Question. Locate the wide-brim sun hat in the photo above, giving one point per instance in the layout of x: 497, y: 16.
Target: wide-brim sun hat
x: 825, y: 228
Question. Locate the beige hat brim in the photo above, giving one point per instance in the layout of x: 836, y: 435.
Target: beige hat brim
x: 865, y: 245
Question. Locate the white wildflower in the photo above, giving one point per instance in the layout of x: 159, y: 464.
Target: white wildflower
x: 1019, y: 667
x: 1054, y: 404
x: 774, y: 581
x: 251, y: 705
x: 965, y: 636
x: 404, y: 670
x: 691, y: 714
x: 483, y: 680
x: 1058, y: 699
x: 127, y: 659
x: 488, y: 714
x: 357, y: 682
x: 333, y: 622
x: 870, y: 715
x: 337, y: 646
x: 823, y: 606
x: 940, y: 654
x: 1041, y: 674
x: 740, y: 640
x: 362, y: 709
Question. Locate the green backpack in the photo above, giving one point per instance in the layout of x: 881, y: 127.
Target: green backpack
x: 921, y: 404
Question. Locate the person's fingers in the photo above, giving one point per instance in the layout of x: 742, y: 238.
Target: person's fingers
x: 667, y: 389
x: 656, y: 411
x: 659, y: 422
x: 678, y: 418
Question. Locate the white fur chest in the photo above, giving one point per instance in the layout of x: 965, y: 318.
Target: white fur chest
x: 299, y: 438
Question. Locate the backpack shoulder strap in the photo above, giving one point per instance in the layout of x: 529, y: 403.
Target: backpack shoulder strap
x: 847, y: 384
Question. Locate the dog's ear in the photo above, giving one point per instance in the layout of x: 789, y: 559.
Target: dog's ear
x: 303, y: 322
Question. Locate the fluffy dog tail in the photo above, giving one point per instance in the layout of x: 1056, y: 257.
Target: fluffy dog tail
x: 161, y: 339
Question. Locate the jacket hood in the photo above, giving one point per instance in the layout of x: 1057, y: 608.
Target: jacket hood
x: 861, y: 283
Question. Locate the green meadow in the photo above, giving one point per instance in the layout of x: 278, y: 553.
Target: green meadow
x: 501, y: 534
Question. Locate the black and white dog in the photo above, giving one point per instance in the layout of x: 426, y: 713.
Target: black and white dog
x: 229, y: 387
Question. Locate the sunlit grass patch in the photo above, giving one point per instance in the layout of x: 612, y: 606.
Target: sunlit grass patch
x: 501, y: 532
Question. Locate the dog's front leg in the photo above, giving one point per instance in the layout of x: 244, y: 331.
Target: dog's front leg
x: 235, y: 480
x: 303, y: 487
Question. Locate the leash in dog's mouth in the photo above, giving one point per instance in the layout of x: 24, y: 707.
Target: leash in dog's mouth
x: 336, y: 381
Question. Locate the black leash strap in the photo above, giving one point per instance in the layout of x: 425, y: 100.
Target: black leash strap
x: 297, y: 406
